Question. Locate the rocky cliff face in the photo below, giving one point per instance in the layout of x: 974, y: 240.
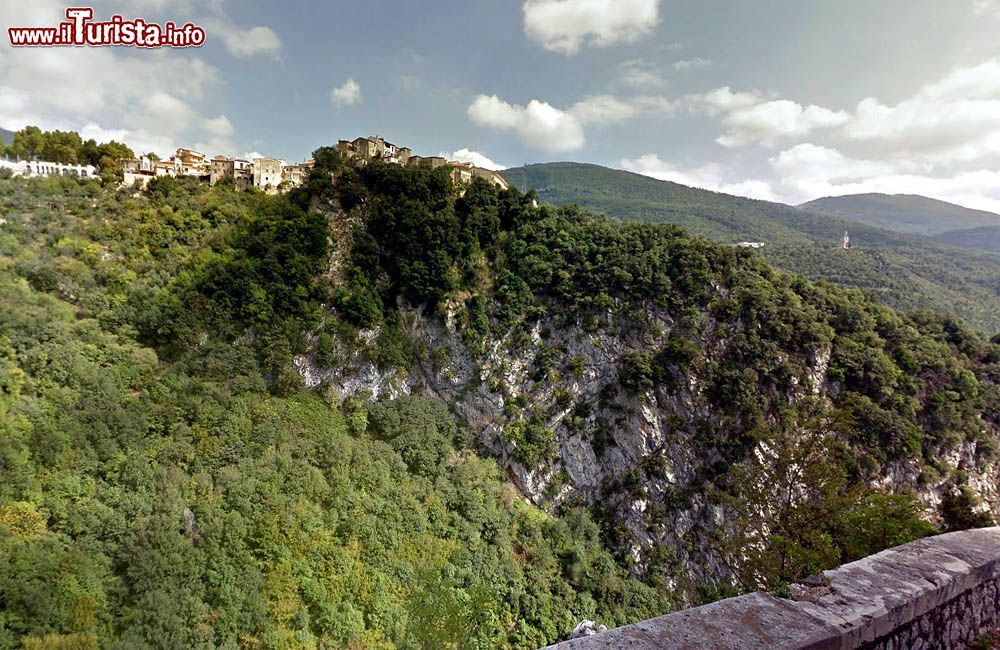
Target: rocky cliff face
x: 635, y: 455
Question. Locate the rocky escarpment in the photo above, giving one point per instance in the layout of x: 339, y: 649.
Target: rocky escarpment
x: 551, y: 407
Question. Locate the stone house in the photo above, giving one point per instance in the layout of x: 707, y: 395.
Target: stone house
x: 267, y: 174
x: 374, y: 148
x: 188, y: 162
x: 295, y: 175
x: 462, y: 173
x: 429, y: 162
x: 239, y: 171
x: 491, y: 176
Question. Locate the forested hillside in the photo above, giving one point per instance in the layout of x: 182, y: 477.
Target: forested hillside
x: 906, y: 271
x: 986, y: 238
x: 385, y: 412
x: 918, y: 215
x: 196, y: 497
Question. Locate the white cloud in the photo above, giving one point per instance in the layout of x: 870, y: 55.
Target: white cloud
x: 565, y: 25
x: 750, y: 118
x: 346, y: 94
x: 809, y: 171
x: 220, y: 131
x: 243, y: 42
x: 545, y: 127
x: 91, y: 131
x: 474, y: 157
x: 539, y: 124
x: 639, y: 73
x: 603, y: 109
x: 766, y: 122
x: 220, y: 126
x: 981, y: 7
x: 808, y: 160
x: 954, y: 119
x: 691, y: 64
x: 167, y: 111
x: 709, y: 177
x: 723, y: 100
x: 148, y: 99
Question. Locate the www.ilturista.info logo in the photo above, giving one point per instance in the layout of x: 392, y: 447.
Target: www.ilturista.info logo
x: 80, y: 31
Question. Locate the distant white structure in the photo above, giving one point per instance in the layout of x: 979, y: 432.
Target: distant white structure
x: 846, y: 241
x: 35, y: 168
x: 267, y: 174
x: 750, y: 244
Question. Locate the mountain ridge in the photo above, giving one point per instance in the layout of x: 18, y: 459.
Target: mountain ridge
x: 908, y: 213
x: 907, y: 271
x: 985, y: 238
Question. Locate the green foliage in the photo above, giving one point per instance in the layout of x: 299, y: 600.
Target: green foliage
x: 905, y: 271
x: 149, y: 501
x: 67, y: 147
x: 635, y: 372
x: 410, y: 234
x: 797, y: 514
x: 261, y: 277
x: 534, y: 443
x: 393, y: 348
x: 165, y: 481
x: 961, y: 509
x: 876, y: 521
x: 985, y: 238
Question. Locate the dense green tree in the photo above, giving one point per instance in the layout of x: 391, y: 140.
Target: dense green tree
x: 166, y: 480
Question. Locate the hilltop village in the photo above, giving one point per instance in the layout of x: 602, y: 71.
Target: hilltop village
x: 274, y: 176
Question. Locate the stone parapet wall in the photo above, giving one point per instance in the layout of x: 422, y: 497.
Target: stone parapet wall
x: 938, y: 593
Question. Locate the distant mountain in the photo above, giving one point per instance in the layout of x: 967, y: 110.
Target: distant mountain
x: 907, y: 213
x: 6, y: 136
x: 986, y: 238
x: 905, y: 270
x: 634, y: 197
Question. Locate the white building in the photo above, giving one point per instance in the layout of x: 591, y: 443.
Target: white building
x: 267, y: 174
x: 35, y: 168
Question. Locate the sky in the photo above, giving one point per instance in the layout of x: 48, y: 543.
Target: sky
x: 774, y: 99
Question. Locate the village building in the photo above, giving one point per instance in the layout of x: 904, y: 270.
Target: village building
x: 144, y: 169
x: 188, y: 162
x: 491, y: 176
x: 237, y: 171
x: 427, y: 162
x: 295, y: 175
x: 139, y: 170
x: 374, y: 148
x: 267, y: 174
x: 184, y: 162
x: 461, y: 173
x: 30, y: 168
x: 272, y: 175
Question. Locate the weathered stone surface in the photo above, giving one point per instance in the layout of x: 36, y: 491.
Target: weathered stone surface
x: 939, y: 593
x: 748, y: 622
